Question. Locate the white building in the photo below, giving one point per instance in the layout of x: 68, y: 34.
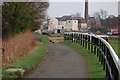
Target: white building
x: 52, y: 25
x: 69, y: 23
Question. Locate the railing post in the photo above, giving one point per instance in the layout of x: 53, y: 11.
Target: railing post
x: 107, y: 69
x: 100, y: 52
x: 81, y: 39
x: 115, y: 73
x: 72, y: 37
x: 97, y: 46
x: 92, y: 44
x: 75, y: 37
x: 107, y: 72
x: 86, y: 41
x: 104, y: 47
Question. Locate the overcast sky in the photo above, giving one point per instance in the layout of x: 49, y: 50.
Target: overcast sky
x: 63, y: 7
x: 60, y: 8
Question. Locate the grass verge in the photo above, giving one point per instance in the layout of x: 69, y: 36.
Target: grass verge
x: 30, y: 61
x: 95, y: 69
x: 115, y: 44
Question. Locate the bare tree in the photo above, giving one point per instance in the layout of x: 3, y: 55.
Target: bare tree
x: 102, y: 14
x: 97, y: 16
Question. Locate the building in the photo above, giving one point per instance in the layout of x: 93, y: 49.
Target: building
x: 52, y: 25
x: 71, y: 24
x: 83, y: 24
x: 68, y: 22
x: 61, y: 24
x: 60, y: 29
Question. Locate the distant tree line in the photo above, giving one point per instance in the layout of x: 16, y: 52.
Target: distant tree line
x: 21, y: 16
x: 104, y: 22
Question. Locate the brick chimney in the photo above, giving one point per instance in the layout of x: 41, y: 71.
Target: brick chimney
x: 86, y: 10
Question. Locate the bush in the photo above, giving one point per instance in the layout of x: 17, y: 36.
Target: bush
x: 21, y: 16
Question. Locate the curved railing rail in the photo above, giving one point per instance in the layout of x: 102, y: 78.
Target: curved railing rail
x: 99, y: 46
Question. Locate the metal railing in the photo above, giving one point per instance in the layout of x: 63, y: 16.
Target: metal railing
x: 101, y: 48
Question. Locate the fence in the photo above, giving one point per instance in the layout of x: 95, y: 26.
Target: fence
x: 101, y: 48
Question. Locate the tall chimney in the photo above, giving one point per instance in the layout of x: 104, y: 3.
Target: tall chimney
x: 86, y: 10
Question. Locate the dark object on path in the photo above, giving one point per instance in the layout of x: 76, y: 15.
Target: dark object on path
x: 51, y: 41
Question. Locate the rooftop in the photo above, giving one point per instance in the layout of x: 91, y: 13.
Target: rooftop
x: 64, y: 18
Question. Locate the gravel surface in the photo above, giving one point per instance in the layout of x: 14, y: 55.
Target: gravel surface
x: 61, y: 62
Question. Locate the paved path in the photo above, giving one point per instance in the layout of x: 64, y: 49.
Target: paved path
x: 61, y: 62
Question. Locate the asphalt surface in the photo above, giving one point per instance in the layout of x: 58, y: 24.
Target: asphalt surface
x: 61, y: 62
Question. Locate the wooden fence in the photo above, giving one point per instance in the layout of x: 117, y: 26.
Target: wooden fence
x: 101, y: 48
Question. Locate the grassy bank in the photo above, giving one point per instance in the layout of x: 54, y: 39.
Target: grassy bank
x: 115, y: 44
x: 95, y: 69
x: 30, y: 61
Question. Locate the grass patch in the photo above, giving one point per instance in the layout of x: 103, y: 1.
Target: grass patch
x: 30, y: 61
x: 115, y: 44
x: 95, y: 69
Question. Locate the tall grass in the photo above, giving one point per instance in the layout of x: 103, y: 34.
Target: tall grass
x: 31, y: 60
x: 17, y: 45
x: 35, y: 56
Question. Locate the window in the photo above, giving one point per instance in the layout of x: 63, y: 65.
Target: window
x: 74, y: 21
x: 69, y: 21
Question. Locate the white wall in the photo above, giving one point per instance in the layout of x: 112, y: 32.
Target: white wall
x: 53, y: 23
x: 83, y: 25
x: 68, y: 25
x: 72, y: 25
x: 75, y: 25
x: 63, y: 23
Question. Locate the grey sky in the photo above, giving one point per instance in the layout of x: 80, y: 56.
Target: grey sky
x: 62, y: 8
